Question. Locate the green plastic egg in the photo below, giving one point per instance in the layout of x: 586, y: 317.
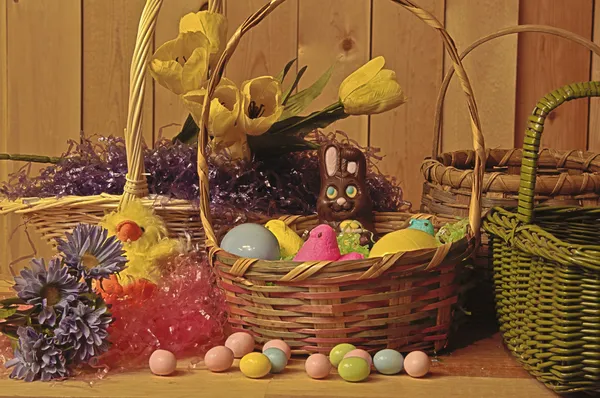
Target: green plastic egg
x: 337, y: 353
x: 354, y: 369
x: 403, y: 240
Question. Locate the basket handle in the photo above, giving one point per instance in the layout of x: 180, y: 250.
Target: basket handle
x: 533, y: 135
x: 437, y: 128
x: 429, y: 19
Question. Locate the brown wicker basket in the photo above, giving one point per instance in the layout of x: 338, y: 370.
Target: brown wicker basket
x: 402, y: 301
x: 564, y: 177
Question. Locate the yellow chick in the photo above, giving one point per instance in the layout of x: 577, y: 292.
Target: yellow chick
x: 145, y: 241
x: 289, y: 241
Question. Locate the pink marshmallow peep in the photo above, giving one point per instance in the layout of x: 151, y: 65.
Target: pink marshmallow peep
x: 321, y: 245
x: 352, y: 256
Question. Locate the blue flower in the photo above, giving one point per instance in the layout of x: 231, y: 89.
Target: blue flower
x: 37, y: 357
x: 93, y: 254
x: 84, y: 329
x: 51, y: 287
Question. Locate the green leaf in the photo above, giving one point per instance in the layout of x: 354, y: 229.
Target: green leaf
x: 300, y: 101
x: 7, y: 312
x: 264, y: 146
x: 281, y: 76
x: 302, y: 125
x: 189, y: 132
x: 12, y: 301
x: 287, y: 94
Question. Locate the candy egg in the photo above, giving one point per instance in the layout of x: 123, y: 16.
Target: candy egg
x: 317, y: 366
x: 388, y: 362
x: 277, y: 358
x: 282, y: 345
x: 218, y: 359
x: 360, y: 354
x: 255, y: 365
x: 251, y: 241
x: 417, y: 364
x: 162, y: 363
x: 337, y: 353
x: 240, y: 343
x: 354, y: 369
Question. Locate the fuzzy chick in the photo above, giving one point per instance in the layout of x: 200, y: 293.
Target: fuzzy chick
x: 289, y: 241
x: 145, y: 241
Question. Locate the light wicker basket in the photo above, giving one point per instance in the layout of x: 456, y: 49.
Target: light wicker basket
x: 564, y: 177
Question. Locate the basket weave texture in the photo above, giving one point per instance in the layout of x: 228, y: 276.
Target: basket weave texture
x: 564, y: 177
x: 547, y: 272
x: 402, y: 301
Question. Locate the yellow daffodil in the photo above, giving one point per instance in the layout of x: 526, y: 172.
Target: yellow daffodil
x: 371, y: 89
x: 225, y: 107
x: 213, y: 26
x: 181, y: 64
x: 261, y: 106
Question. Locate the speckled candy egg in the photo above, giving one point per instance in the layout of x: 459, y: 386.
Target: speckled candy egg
x: 218, y: 359
x: 354, y: 369
x: 388, y: 362
x: 277, y: 358
x: 241, y: 343
x: 162, y: 363
x: 251, y: 241
x: 317, y: 366
x: 282, y: 345
x: 360, y: 354
x: 337, y: 353
x: 417, y: 364
x: 255, y: 365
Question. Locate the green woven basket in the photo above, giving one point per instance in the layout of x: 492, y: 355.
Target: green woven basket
x: 547, y: 272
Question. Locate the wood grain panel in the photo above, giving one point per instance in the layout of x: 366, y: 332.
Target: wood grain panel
x: 109, y: 34
x: 491, y: 69
x: 415, y: 52
x: 44, y: 87
x: 4, y: 221
x: 594, y: 125
x: 267, y: 47
x: 168, y: 107
x: 547, y: 63
x: 330, y: 31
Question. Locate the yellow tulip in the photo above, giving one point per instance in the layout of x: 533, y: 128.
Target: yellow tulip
x: 261, y: 106
x: 181, y: 64
x: 235, y: 145
x: 213, y: 25
x: 371, y: 89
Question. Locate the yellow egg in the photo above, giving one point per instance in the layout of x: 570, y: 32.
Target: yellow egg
x: 403, y: 240
x: 255, y: 365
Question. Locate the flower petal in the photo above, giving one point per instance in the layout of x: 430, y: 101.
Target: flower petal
x: 195, y: 70
x: 381, y: 94
x: 361, y: 76
x: 212, y: 25
x: 263, y: 92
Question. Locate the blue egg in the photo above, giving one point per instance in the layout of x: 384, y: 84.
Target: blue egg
x: 388, y: 362
x: 278, y: 359
x: 251, y: 241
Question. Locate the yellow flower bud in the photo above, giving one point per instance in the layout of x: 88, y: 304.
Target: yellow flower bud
x: 371, y: 89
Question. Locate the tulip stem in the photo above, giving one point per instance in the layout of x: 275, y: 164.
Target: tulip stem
x: 30, y: 158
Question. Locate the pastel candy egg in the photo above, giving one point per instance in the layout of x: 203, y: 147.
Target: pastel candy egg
x: 337, y: 353
x: 388, y: 362
x: 354, y: 369
x: 417, y: 364
x: 317, y: 366
x: 218, y: 359
x: 282, y: 345
x: 277, y: 358
x: 162, y: 363
x: 360, y: 354
x: 255, y: 365
x: 251, y: 241
x: 240, y: 343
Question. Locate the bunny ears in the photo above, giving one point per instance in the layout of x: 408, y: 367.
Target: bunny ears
x: 344, y: 161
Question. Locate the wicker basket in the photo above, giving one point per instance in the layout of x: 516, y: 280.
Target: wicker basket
x: 547, y: 272
x: 402, y: 301
x: 566, y: 177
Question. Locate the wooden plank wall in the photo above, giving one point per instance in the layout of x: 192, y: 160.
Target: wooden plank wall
x: 64, y: 67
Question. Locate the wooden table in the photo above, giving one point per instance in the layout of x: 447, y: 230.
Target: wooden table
x: 477, y: 365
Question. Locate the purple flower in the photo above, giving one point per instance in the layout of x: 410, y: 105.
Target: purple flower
x: 83, y: 328
x: 93, y: 254
x: 36, y: 358
x: 49, y: 287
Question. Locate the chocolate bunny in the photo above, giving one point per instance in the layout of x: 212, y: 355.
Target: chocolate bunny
x: 343, y: 194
